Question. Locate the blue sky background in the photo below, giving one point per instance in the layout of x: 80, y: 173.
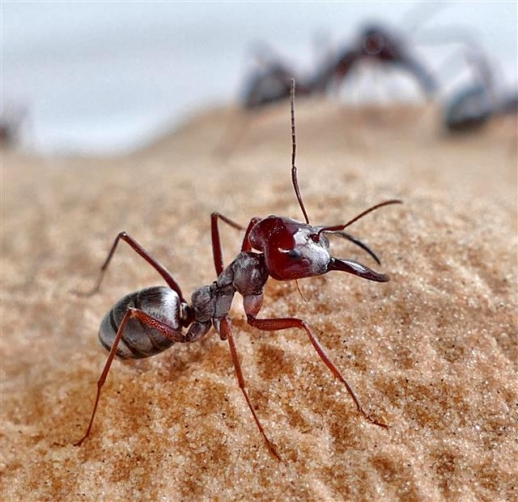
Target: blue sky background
x: 105, y: 77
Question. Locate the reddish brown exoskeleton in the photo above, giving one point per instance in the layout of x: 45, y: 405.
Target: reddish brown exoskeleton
x: 151, y: 320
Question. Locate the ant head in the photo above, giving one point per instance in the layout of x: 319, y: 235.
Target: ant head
x: 292, y: 250
x: 374, y: 40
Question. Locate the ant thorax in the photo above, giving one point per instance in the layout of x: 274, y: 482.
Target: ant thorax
x: 247, y: 275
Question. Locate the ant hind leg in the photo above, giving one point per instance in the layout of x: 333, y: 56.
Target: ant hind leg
x: 149, y: 321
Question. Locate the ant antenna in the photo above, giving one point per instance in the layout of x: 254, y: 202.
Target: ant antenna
x: 339, y: 228
x: 293, y: 152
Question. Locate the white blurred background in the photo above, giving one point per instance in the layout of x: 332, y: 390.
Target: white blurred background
x: 106, y: 77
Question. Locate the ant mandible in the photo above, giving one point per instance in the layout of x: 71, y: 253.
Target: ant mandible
x: 147, y: 322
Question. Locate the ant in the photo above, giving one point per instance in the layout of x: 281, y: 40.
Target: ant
x: 11, y: 124
x: 272, y: 82
x: 147, y: 322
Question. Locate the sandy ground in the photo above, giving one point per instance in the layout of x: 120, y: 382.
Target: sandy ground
x: 433, y: 353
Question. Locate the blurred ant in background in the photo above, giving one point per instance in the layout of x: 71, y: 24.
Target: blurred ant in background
x: 378, y: 45
x: 473, y: 105
x: 11, y: 124
x: 271, y: 81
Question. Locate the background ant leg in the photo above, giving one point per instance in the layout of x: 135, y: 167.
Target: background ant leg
x: 252, y: 304
x: 226, y: 333
x: 216, y: 241
x: 146, y: 255
x: 423, y: 77
x: 145, y: 318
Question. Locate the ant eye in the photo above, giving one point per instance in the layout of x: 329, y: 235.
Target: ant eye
x: 295, y: 254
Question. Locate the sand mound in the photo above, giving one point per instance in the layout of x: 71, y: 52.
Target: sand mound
x: 433, y: 352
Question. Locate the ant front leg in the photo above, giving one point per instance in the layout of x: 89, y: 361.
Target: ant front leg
x: 150, y: 322
x: 247, y: 246
x: 216, y: 241
x: 252, y: 305
x: 166, y: 275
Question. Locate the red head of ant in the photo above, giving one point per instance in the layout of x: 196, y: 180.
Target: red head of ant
x: 294, y: 250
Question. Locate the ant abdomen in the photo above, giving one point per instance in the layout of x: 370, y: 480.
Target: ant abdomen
x: 140, y: 340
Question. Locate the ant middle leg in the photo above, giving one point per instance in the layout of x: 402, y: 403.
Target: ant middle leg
x: 124, y: 236
x: 251, y: 309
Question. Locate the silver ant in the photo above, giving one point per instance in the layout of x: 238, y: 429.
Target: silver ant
x: 149, y: 321
x: 271, y: 82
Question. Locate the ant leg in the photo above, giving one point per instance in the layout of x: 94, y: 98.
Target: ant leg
x: 145, y: 318
x: 226, y: 330
x: 423, y: 77
x: 246, y: 246
x: 292, y: 322
x: 146, y: 255
x: 216, y: 245
x: 216, y: 241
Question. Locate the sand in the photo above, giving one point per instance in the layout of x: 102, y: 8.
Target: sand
x: 433, y: 352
